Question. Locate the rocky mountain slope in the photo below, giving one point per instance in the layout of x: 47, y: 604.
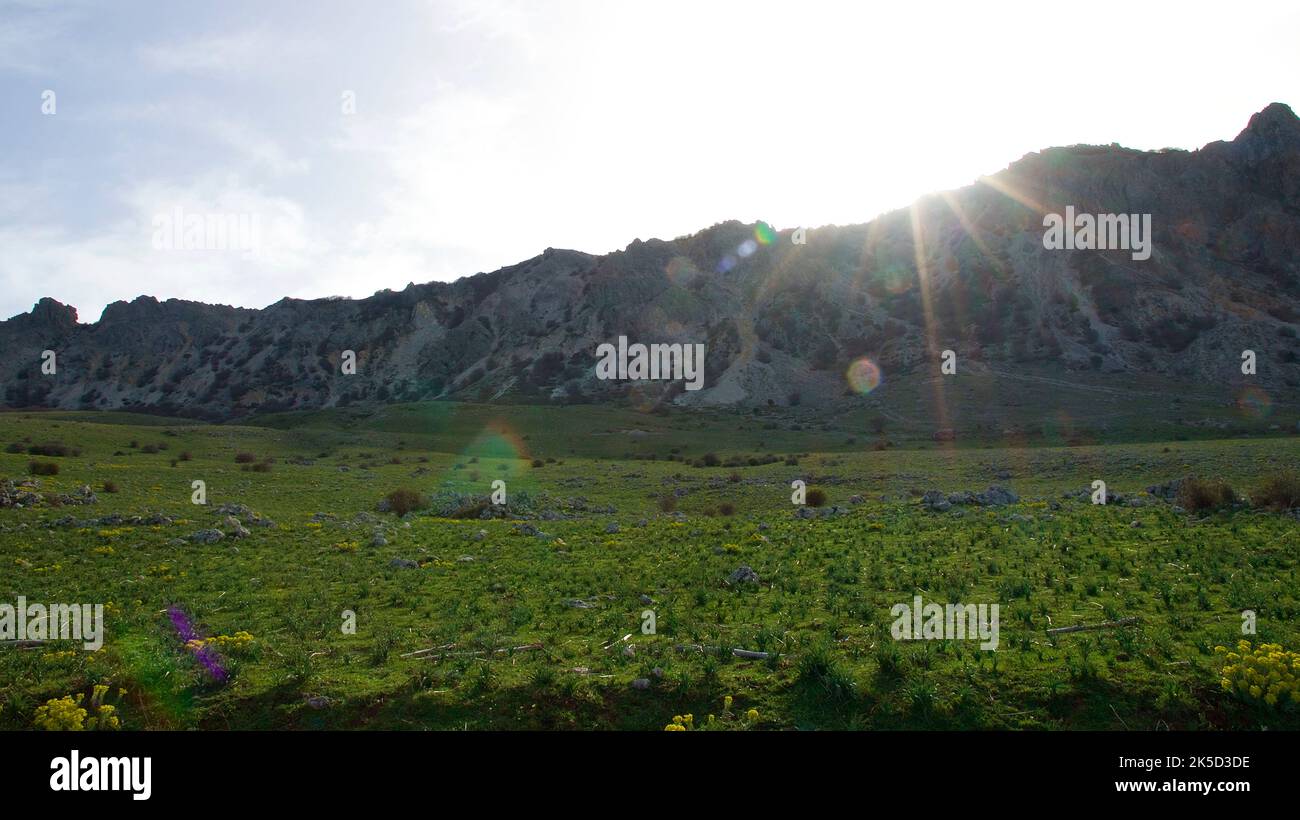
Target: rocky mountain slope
x: 965, y: 271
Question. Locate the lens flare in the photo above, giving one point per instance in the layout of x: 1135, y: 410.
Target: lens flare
x: 681, y: 271
x: 747, y: 248
x: 764, y: 234
x: 1255, y: 403
x: 863, y: 375
x: 896, y: 279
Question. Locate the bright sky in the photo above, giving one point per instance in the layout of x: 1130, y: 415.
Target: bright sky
x: 485, y: 131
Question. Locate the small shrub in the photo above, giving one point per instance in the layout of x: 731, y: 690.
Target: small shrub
x: 15, y: 447
x: 537, y: 462
x: 821, y: 673
x: 404, y: 501
x: 1280, y: 491
x: 187, y: 456
x: 727, y: 508
x: 56, y: 449
x: 711, y: 460
x: 667, y: 502
x: 1204, y: 494
x: 42, y: 467
x: 110, y: 486
x: 244, y: 458
x: 816, y: 497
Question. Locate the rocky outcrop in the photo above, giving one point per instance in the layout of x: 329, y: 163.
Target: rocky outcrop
x: 781, y: 321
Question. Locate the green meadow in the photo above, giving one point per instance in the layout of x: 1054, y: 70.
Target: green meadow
x: 532, y: 617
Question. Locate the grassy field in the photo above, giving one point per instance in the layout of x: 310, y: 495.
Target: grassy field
x: 535, y: 619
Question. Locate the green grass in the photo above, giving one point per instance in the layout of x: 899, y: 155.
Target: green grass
x: 822, y: 607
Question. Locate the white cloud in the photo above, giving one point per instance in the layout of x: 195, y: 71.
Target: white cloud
x: 251, y: 51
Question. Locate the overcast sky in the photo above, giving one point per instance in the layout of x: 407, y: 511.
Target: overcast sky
x: 485, y: 131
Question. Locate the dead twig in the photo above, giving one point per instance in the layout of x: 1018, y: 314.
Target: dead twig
x: 748, y: 654
x: 472, y: 652
x: 417, y: 653
x: 1089, y: 627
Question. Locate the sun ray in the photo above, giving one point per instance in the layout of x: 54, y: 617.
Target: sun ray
x: 1007, y: 190
x: 927, y: 310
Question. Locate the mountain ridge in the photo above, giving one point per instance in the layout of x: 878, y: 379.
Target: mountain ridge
x: 962, y: 270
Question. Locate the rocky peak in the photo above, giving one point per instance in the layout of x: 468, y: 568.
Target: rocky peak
x: 1271, y: 133
x: 49, y: 314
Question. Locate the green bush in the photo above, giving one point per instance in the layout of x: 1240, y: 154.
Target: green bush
x: 42, y: 468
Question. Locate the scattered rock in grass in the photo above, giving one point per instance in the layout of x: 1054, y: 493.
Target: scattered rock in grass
x: 743, y: 575
x: 403, y: 563
x: 20, y: 494
x: 210, y: 536
x: 629, y: 651
x: 81, y: 495
x: 935, y: 501
x: 1168, y: 490
x: 611, y: 528
x: 641, y: 683
x: 230, y: 524
x: 479, y: 536
x: 378, y: 540
x: 318, y: 701
x: 996, y: 496
x: 646, y: 599
x: 857, y: 499
x: 578, y: 603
